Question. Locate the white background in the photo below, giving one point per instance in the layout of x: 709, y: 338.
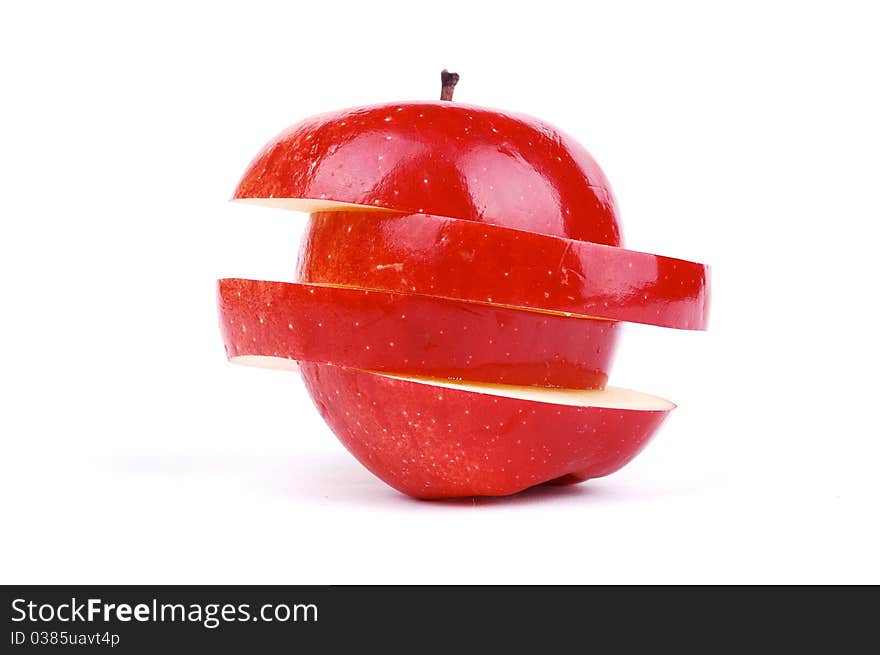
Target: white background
x: 132, y: 452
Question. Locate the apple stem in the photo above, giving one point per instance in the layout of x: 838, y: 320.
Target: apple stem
x: 448, y: 80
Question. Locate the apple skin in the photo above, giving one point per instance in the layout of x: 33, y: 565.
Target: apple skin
x: 429, y: 171
x: 435, y: 442
x: 413, y: 335
x: 441, y: 158
x: 451, y: 258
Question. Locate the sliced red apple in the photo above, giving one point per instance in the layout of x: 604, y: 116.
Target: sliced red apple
x: 435, y: 439
x: 275, y: 323
x: 442, y: 158
x: 451, y: 258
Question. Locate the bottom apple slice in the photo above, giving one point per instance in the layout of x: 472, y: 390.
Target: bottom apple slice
x: 432, y: 438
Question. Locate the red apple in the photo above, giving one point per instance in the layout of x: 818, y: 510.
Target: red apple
x: 272, y: 323
x: 441, y: 158
x: 438, y: 440
x: 451, y: 258
x: 451, y: 242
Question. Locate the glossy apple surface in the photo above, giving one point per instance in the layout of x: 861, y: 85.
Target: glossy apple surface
x: 271, y: 323
x: 442, y: 158
x: 452, y: 258
x: 431, y: 440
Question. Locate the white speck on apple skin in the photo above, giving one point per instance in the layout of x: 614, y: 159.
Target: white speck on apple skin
x: 290, y: 326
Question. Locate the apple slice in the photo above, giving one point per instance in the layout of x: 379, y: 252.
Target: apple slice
x: 272, y: 323
x: 441, y: 158
x: 435, y: 439
x: 452, y: 258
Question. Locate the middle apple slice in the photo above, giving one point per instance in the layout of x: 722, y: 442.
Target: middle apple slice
x: 467, y: 260
x: 273, y: 323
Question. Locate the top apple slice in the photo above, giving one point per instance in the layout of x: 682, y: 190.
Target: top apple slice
x: 441, y: 158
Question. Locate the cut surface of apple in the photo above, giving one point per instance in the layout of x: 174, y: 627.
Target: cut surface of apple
x: 609, y: 397
x: 452, y: 258
x: 442, y: 158
x: 274, y: 323
x: 311, y: 205
x: 437, y: 439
